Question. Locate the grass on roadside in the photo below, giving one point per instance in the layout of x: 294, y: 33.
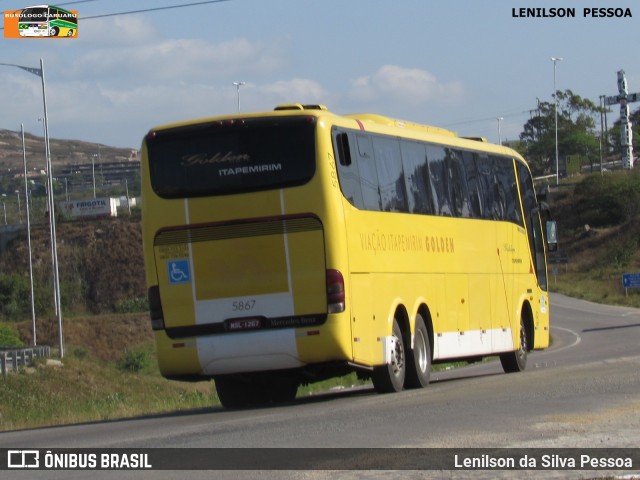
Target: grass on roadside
x: 85, y: 390
x: 598, y: 286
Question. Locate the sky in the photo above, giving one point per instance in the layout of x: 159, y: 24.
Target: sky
x: 458, y: 64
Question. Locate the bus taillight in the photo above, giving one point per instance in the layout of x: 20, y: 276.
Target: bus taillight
x: 335, y: 291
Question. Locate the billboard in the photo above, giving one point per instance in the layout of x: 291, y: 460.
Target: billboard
x: 92, y: 208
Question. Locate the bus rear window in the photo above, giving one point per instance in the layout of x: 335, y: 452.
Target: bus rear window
x: 218, y: 158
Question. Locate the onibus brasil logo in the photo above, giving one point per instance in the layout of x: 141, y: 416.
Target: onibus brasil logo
x: 41, y: 21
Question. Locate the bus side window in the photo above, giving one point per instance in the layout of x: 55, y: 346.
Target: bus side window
x: 457, y: 182
x: 439, y: 187
x: 390, y: 174
x: 539, y: 251
x: 487, y: 183
x: 368, y: 174
x: 416, y: 170
x: 505, y: 175
x: 348, y: 175
x: 473, y: 183
x: 499, y: 190
x: 344, y: 153
x: 529, y: 202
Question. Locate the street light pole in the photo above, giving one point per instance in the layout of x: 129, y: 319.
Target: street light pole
x: 93, y: 173
x: 555, y: 95
x: 26, y: 196
x: 19, y: 208
x: 52, y: 217
x: 500, y: 130
x: 602, y: 97
x: 238, y: 85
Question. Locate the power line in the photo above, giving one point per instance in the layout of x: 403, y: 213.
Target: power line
x: 72, y: 3
x: 478, y: 120
x: 155, y: 9
x: 145, y: 10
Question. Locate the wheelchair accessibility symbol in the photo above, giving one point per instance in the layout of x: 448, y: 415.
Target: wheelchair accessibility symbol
x: 178, y: 271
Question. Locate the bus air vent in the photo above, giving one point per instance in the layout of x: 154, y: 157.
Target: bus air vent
x: 299, y: 106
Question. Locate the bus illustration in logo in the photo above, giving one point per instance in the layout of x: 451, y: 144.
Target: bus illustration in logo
x: 47, y: 21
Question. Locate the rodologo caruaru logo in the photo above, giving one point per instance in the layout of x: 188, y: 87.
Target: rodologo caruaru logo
x: 43, y: 21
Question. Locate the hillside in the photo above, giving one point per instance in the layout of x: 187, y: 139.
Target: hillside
x: 63, y: 152
x: 101, y: 272
x: 80, y: 170
x: 599, y: 223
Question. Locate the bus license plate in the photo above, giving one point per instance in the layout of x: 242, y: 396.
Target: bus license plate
x: 243, y: 324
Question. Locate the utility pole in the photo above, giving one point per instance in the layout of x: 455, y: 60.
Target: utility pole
x: 555, y: 95
x: 601, y: 131
x: 624, y: 98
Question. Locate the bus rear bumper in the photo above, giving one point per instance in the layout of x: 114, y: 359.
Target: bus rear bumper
x: 254, y: 351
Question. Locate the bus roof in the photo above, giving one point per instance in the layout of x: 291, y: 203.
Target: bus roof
x: 363, y: 120
x: 394, y: 122
x: 46, y: 6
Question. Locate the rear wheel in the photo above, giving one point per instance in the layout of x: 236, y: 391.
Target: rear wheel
x: 390, y: 377
x: 419, y: 358
x: 280, y: 390
x: 241, y: 391
x: 234, y: 391
x: 516, y: 361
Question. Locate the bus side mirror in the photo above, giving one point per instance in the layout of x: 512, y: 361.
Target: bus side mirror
x: 552, y: 235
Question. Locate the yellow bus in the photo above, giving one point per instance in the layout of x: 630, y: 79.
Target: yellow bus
x: 288, y: 247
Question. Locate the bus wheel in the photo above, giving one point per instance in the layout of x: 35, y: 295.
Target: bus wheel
x: 280, y: 389
x: 419, y: 359
x: 54, y: 31
x: 240, y: 391
x: 234, y: 391
x: 390, y: 378
x: 516, y: 361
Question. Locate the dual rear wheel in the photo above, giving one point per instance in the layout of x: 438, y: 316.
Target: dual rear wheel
x: 407, y: 367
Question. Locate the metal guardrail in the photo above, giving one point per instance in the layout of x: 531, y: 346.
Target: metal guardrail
x: 15, y: 357
x: 559, y: 258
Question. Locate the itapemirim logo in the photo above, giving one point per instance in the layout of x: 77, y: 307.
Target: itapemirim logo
x: 47, y: 21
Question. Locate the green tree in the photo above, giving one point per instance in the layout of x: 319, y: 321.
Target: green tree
x: 577, y: 134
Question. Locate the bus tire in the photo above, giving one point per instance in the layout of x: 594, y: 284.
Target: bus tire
x: 233, y: 391
x: 280, y: 390
x: 513, y: 362
x: 241, y: 391
x: 419, y: 358
x: 54, y: 31
x: 390, y: 378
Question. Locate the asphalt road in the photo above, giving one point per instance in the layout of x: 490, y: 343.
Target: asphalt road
x: 582, y: 392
